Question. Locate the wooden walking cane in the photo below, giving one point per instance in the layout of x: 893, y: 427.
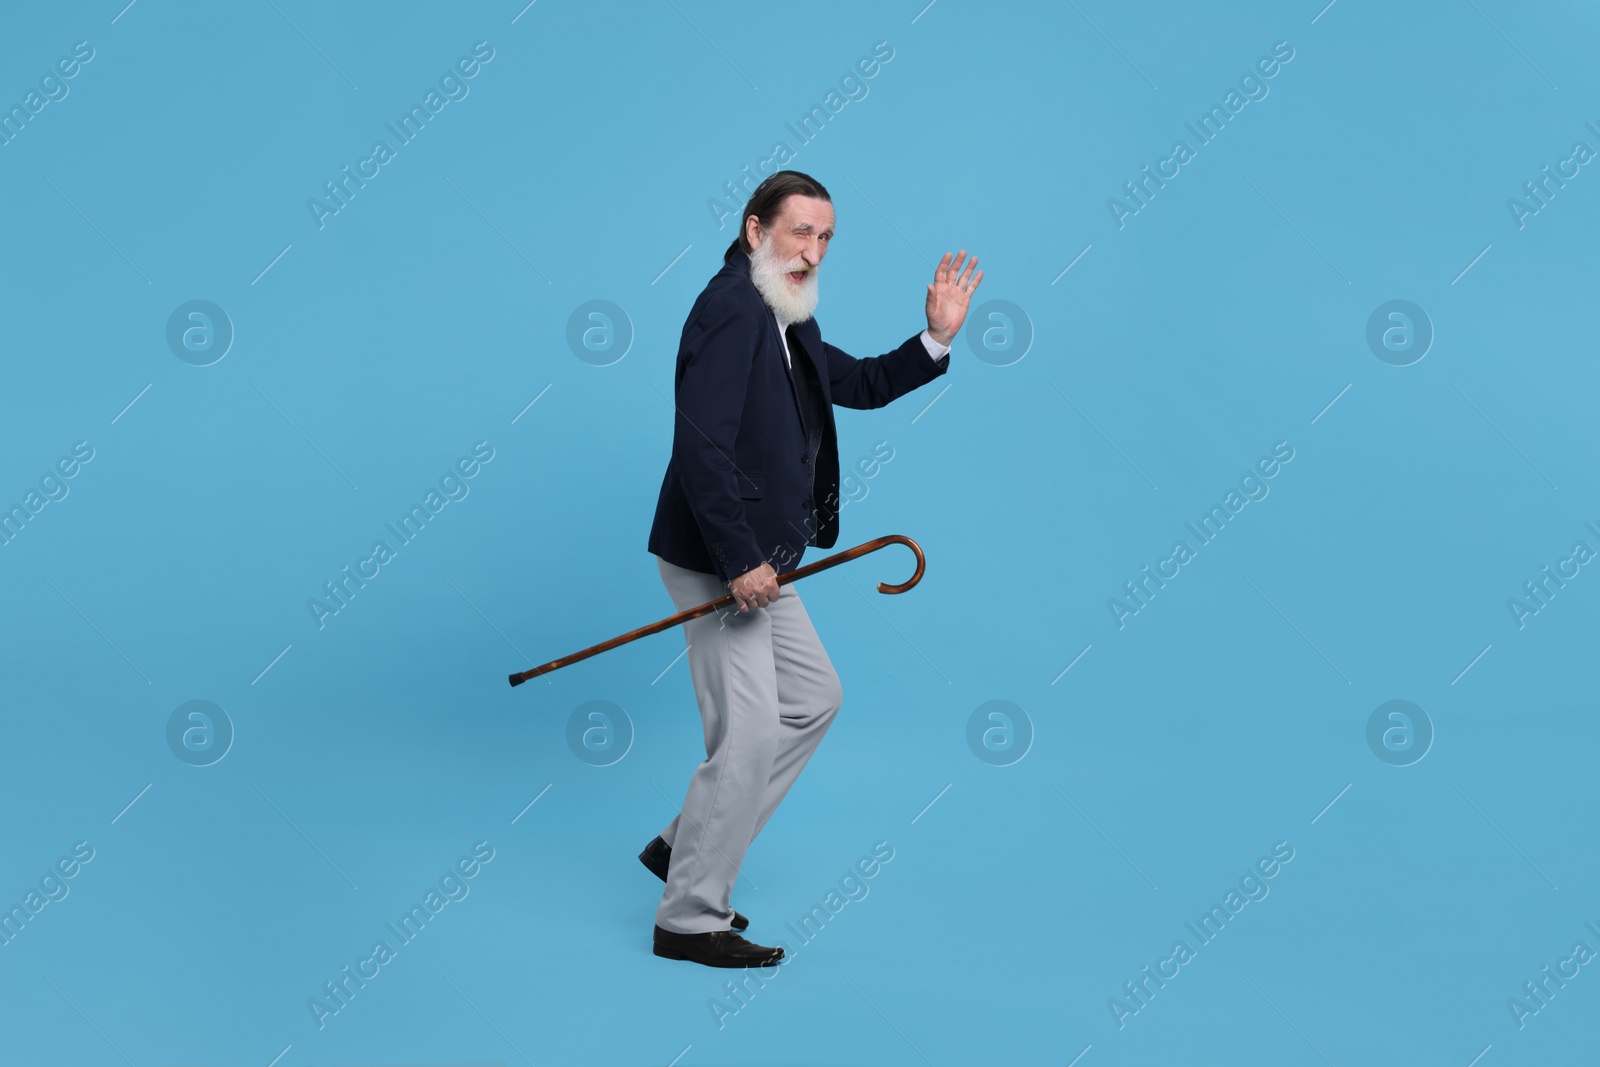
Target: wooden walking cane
x: 704, y: 609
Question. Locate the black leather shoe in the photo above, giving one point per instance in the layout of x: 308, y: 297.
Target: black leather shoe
x: 719, y: 948
x: 657, y: 855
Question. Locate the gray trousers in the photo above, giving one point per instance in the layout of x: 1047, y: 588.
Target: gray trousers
x: 767, y: 693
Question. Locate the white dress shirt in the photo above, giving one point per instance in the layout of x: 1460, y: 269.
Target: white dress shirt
x: 935, y: 349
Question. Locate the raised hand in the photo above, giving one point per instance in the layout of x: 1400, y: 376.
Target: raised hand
x: 948, y: 295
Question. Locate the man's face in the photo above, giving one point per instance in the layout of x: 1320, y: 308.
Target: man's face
x: 799, y: 237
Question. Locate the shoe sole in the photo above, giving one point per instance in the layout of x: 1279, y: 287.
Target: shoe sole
x: 669, y: 954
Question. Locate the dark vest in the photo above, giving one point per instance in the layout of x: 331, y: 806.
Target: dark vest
x: 808, y: 391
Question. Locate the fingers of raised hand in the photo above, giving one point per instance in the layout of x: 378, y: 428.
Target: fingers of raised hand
x: 950, y: 272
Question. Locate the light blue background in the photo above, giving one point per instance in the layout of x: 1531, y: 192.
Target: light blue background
x: 1226, y: 716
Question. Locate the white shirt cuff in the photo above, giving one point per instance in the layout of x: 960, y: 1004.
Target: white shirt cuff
x: 935, y: 349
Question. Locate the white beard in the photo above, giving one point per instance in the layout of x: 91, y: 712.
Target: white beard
x: 789, y: 302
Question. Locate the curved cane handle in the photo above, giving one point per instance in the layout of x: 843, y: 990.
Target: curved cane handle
x: 861, y: 550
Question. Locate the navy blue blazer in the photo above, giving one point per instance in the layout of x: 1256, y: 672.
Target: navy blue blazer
x: 737, y: 491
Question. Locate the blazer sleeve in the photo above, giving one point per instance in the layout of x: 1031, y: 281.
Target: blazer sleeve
x: 875, y: 380
x: 710, y: 403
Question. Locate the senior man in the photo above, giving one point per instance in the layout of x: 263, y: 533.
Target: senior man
x: 753, y: 450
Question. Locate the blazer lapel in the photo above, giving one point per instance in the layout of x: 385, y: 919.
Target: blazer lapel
x: 802, y: 349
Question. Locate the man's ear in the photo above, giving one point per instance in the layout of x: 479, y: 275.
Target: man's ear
x: 752, y: 231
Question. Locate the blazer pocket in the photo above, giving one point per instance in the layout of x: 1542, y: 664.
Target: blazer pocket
x: 752, y: 484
